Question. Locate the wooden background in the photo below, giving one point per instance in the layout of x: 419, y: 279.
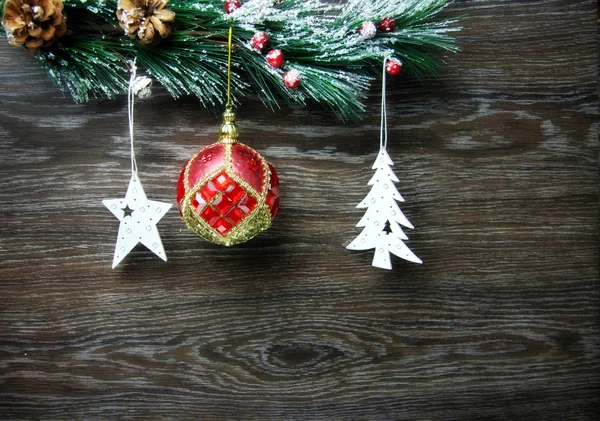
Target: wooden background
x: 498, y: 161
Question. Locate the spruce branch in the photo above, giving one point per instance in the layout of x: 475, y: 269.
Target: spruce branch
x: 320, y: 40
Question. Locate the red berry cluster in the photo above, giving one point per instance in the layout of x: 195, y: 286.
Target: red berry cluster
x: 260, y: 40
x: 275, y: 58
x: 368, y: 30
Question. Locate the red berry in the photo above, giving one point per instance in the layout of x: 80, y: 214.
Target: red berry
x: 368, y: 29
x: 275, y: 58
x: 260, y: 40
x: 292, y: 79
x: 232, y: 5
x: 387, y: 25
x: 393, y: 66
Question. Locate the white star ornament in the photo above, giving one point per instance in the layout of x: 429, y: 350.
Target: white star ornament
x: 138, y: 217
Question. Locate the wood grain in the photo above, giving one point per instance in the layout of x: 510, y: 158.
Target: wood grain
x: 498, y: 161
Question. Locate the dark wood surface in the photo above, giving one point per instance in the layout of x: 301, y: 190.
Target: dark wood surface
x: 498, y: 162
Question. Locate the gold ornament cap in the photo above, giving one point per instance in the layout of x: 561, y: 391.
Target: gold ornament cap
x: 229, y: 131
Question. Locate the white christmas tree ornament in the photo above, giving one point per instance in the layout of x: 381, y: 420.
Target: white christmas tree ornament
x: 383, y: 220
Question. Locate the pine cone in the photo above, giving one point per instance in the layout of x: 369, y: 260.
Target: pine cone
x: 145, y: 19
x: 34, y: 23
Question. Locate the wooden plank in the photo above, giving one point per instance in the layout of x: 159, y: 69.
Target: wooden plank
x: 497, y: 160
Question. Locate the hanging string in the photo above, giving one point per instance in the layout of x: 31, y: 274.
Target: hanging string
x: 130, y: 102
x: 229, y: 47
x: 383, y: 132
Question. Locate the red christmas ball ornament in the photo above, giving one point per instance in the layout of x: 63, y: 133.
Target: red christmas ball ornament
x: 393, y: 66
x: 291, y: 79
x: 228, y: 193
x: 368, y: 29
x: 260, y: 40
x: 232, y: 5
x: 387, y: 25
x: 275, y: 58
